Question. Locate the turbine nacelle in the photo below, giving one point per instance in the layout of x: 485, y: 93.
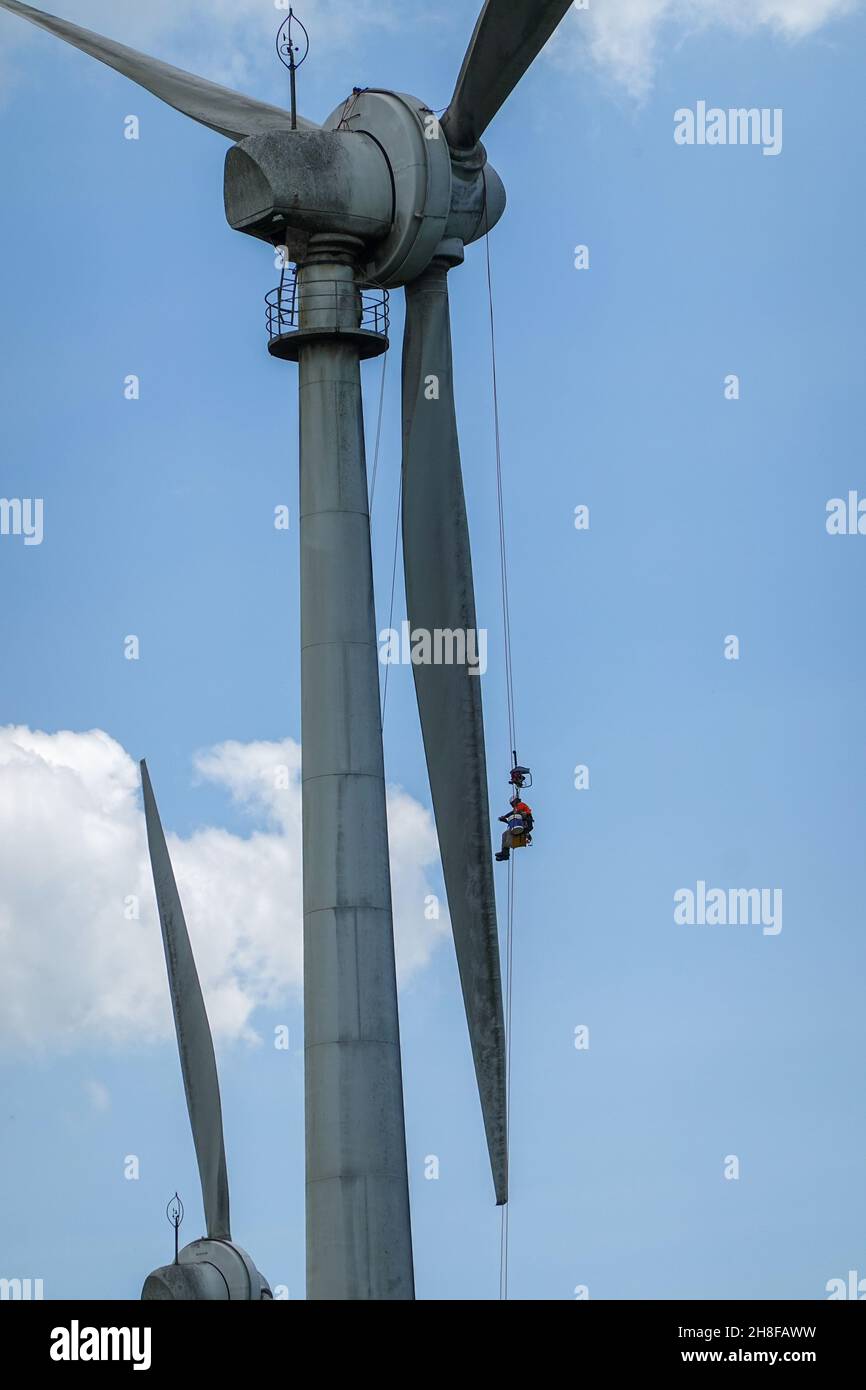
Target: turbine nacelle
x: 209, y: 1270
x: 214, y: 1267
x: 289, y: 184
x: 380, y: 170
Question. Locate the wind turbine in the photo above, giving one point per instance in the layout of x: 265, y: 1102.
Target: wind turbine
x: 381, y: 194
x: 214, y: 1268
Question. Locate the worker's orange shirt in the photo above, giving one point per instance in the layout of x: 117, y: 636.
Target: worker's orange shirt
x: 522, y: 807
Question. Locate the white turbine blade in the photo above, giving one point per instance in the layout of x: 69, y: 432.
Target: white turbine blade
x: 439, y: 595
x: 223, y: 110
x: 194, y: 1041
x: 508, y: 37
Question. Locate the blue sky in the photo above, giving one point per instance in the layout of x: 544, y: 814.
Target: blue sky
x: 707, y: 518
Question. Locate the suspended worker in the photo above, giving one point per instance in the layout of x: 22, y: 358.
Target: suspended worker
x: 518, y: 828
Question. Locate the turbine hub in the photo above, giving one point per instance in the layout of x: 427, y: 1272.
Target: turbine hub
x: 439, y: 195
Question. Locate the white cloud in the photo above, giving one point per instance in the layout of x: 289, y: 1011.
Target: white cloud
x: 624, y: 38
x: 228, y: 41
x: 74, y: 968
x: 231, y: 41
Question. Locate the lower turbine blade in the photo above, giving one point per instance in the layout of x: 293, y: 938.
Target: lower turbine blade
x: 440, y: 598
x: 219, y: 108
x: 194, y: 1041
x: 508, y: 37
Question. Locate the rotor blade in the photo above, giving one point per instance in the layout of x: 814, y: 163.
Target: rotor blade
x: 440, y: 599
x: 508, y: 37
x: 223, y: 110
x: 197, y: 1061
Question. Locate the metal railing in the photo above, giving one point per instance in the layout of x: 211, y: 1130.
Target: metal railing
x: 283, y: 305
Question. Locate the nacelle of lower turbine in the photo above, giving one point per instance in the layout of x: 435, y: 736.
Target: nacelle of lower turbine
x: 208, y: 1271
x: 288, y: 184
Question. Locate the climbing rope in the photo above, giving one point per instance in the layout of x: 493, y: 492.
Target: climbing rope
x: 503, y: 549
x: 373, y: 476
x: 512, y: 744
x: 509, y: 948
x: 378, y: 431
x: 393, y: 585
